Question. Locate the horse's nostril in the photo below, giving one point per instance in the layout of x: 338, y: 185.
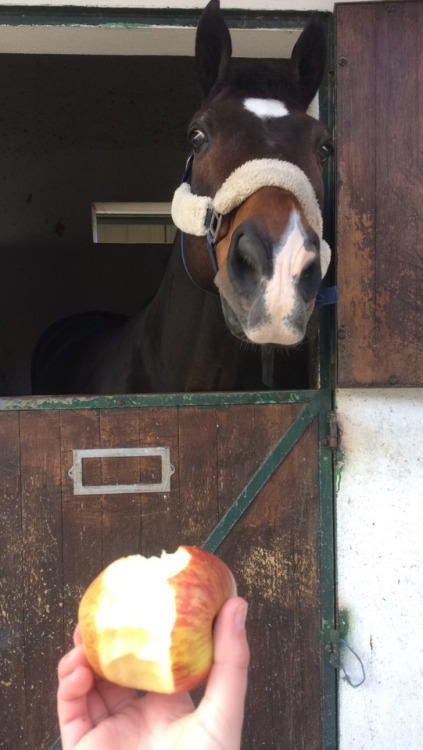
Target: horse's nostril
x: 246, y: 252
x: 248, y: 257
x: 310, y: 280
x: 312, y: 242
x: 311, y: 276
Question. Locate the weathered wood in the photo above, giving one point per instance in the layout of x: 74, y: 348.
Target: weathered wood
x: 236, y: 452
x: 139, y: 522
x: 82, y: 516
x: 66, y: 539
x: 42, y: 571
x: 274, y: 554
x: 197, y: 474
x: 379, y: 188
x: 12, y: 668
x: 161, y: 511
x: 122, y: 521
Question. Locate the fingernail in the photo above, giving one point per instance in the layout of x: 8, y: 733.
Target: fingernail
x: 240, y: 615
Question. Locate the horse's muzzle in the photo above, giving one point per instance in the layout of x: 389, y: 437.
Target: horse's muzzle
x: 269, y: 286
x: 253, y: 258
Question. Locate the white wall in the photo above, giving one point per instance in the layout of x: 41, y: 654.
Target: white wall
x: 99, y: 40
x: 380, y: 563
x: 242, y: 4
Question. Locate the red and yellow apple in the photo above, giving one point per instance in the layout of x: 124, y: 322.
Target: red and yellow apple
x: 146, y: 623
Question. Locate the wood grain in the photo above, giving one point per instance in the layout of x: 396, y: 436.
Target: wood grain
x: 12, y: 669
x: 56, y: 542
x: 379, y: 140
x: 42, y: 571
x: 273, y: 552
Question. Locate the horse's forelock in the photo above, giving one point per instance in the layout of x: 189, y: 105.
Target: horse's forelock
x: 264, y: 79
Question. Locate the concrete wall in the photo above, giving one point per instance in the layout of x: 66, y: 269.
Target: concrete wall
x: 380, y: 563
x: 242, y: 4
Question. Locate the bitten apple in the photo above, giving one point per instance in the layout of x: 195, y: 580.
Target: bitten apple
x: 146, y: 623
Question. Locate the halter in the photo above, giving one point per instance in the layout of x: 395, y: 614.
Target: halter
x: 201, y: 215
x: 211, y: 224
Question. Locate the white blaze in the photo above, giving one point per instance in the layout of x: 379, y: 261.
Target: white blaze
x: 266, y: 108
x: 286, y: 311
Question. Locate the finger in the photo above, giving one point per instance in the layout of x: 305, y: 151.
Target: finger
x: 222, y: 708
x: 74, y: 658
x: 75, y: 682
x: 106, y: 698
x: 77, y: 637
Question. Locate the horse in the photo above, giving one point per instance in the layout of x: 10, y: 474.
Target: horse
x: 249, y: 257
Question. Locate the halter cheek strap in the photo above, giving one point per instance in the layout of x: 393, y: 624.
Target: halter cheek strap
x: 197, y: 213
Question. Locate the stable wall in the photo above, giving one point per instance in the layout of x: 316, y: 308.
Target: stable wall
x: 239, y: 4
x: 380, y: 563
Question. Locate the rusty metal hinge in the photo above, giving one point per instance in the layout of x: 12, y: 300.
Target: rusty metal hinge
x: 333, y: 648
x: 332, y: 438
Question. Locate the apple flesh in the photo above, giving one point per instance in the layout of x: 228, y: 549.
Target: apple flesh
x: 146, y: 623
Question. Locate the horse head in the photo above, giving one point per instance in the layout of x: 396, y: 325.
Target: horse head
x: 254, y: 187
x: 252, y: 196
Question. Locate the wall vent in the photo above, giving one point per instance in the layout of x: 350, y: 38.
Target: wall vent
x: 132, y: 223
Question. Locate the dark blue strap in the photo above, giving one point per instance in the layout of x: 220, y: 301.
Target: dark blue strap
x: 57, y: 745
x: 211, y: 247
x: 328, y: 295
x: 184, y: 261
x: 186, y: 177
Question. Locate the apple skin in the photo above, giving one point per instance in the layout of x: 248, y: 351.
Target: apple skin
x: 164, y: 659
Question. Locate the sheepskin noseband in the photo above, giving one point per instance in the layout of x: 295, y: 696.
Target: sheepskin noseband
x: 194, y: 214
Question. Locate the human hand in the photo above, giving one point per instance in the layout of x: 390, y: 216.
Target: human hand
x: 97, y: 715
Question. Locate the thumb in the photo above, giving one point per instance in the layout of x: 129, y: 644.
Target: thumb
x: 222, y: 708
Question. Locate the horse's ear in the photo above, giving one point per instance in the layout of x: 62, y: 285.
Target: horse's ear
x: 213, y: 46
x: 309, y: 59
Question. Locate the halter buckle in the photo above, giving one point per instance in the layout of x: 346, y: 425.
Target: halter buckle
x: 213, y: 222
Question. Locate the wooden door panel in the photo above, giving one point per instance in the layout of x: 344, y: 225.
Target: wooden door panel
x: 12, y: 667
x: 42, y: 567
x: 82, y: 552
x: 195, y: 473
x: 64, y: 540
x: 379, y: 207
x: 273, y: 552
x: 135, y: 516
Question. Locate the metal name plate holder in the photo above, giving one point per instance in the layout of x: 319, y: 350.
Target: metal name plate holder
x: 79, y: 488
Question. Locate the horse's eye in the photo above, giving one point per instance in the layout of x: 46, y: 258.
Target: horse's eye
x: 325, y: 151
x: 198, y: 138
